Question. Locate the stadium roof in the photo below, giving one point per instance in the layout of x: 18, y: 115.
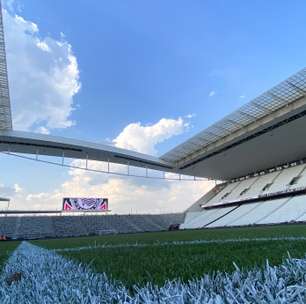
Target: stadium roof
x: 266, y: 132
x: 274, y: 99
x: 200, y: 155
x: 40, y: 144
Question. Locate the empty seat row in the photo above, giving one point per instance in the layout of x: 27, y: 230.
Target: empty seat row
x: 282, y: 180
x: 66, y: 226
x: 205, y: 218
x: 283, y: 210
x: 251, y: 214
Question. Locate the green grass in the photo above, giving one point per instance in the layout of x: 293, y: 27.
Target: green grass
x: 159, y: 263
x: 6, y: 248
x: 187, y: 235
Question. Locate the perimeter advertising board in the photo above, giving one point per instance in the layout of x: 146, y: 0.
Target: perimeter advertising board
x: 85, y: 204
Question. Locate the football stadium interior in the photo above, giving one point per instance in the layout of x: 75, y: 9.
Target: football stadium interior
x: 252, y: 189
x: 255, y: 214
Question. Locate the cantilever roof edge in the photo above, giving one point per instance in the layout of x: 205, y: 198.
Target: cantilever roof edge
x: 272, y: 100
x: 2, y: 199
x: 35, y: 143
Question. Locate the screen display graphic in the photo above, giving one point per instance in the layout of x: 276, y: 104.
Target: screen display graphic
x: 85, y: 204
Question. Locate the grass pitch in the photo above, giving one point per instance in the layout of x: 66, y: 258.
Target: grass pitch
x: 6, y: 248
x: 298, y: 230
x: 48, y: 277
x: 156, y: 264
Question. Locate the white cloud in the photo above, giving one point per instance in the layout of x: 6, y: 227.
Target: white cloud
x: 144, y: 197
x: 6, y: 191
x: 42, y: 130
x: 37, y: 196
x: 242, y: 96
x: 43, y: 46
x: 145, y: 138
x: 43, y: 76
x: 191, y: 115
x: 17, y: 188
x: 125, y: 194
x: 211, y: 93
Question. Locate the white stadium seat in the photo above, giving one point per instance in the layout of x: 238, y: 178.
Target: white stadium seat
x: 233, y: 216
x: 242, y: 190
x: 284, y: 178
x: 221, y: 196
x: 291, y: 211
x: 249, y: 214
x: 301, y: 181
x: 190, y: 216
x: 206, y: 218
x: 261, y: 182
x: 262, y: 210
x: 274, y: 210
x: 30, y: 227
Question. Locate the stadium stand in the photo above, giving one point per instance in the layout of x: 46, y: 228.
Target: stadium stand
x: 261, y: 183
x: 226, y: 191
x: 257, y: 214
x: 34, y: 227
x: 208, y: 216
x: 275, y: 196
x: 289, y: 211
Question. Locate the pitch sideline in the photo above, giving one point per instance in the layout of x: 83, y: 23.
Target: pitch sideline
x: 179, y: 243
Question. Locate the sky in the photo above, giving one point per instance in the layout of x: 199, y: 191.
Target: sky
x: 142, y: 75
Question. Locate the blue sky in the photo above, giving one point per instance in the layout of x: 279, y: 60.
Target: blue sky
x: 141, y: 61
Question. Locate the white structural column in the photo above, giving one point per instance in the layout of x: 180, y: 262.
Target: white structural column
x: 5, y: 106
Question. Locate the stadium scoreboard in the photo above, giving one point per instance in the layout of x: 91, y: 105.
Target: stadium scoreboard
x: 82, y: 204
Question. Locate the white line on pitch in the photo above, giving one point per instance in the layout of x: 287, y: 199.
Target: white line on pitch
x: 179, y: 243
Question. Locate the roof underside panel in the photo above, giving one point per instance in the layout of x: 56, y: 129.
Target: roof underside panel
x: 277, y: 144
x: 281, y: 95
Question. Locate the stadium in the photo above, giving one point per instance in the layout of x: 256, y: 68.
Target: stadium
x: 243, y: 241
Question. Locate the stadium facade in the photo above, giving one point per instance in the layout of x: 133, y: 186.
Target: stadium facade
x: 258, y: 152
